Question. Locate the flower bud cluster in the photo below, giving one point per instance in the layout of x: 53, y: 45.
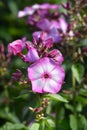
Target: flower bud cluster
x: 39, y: 110
x: 48, y: 18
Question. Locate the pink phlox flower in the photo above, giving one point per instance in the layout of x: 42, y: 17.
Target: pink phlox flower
x: 43, y: 13
x: 26, y: 11
x: 32, y: 55
x: 43, y: 38
x: 52, y: 32
x: 31, y: 9
x: 39, y: 35
x: 56, y: 55
x: 44, y: 10
x: 54, y: 24
x: 44, y: 24
x: 48, y: 42
x: 36, y: 6
x: 33, y: 19
x: 49, y: 6
x: 55, y: 35
x: 46, y: 76
x: 15, y: 47
x: 62, y: 25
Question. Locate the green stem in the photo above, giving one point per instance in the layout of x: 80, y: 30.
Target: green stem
x: 39, y: 98
x: 74, y: 93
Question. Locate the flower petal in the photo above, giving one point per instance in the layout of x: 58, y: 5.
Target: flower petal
x: 35, y: 71
x: 44, y: 24
x: 37, y: 85
x: 58, y: 74
x: 32, y: 55
x: 51, y: 86
x: 47, y: 64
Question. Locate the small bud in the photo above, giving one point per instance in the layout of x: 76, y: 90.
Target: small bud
x: 32, y: 109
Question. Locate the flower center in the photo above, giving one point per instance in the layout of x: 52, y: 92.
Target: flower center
x: 46, y: 76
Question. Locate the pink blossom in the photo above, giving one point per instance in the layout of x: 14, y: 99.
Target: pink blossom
x: 43, y: 38
x: 30, y: 10
x: 56, y: 56
x: 48, y: 42
x: 39, y: 35
x: 26, y: 11
x: 15, y: 47
x: 49, y: 6
x: 50, y: 28
x: 32, y: 55
x: 63, y: 25
x: 46, y: 76
x: 44, y: 24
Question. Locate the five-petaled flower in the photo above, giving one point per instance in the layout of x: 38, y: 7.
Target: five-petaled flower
x: 46, y: 76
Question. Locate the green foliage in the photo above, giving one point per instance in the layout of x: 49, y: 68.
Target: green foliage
x: 35, y: 126
x: 73, y: 122
x: 10, y: 126
x: 78, y: 71
x: 56, y: 97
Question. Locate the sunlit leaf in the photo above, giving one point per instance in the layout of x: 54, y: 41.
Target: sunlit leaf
x: 56, y: 97
x: 10, y: 126
x: 35, y: 126
x: 8, y: 116
x: 51, y: 123
x: 82, y: 122
x: 73, y: 122
x: 78, y: 71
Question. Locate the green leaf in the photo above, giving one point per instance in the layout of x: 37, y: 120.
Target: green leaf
x: 10, y: 126
x: 51, y: 123
x: 42, y: 125
x: 5, y: 114
x: 69, y: 107
x: 81, y: 99
x: 73, y: 122
x: 79, y: 107
x: 35, y: 126
x: 82, y: 122
x: 83, y: 92
x: 78, y: 71
x: 47, y: 124
x: 56, y: 97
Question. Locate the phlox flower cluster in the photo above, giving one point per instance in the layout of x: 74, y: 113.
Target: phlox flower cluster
x: 45, y: 71
x: 49, y: 19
